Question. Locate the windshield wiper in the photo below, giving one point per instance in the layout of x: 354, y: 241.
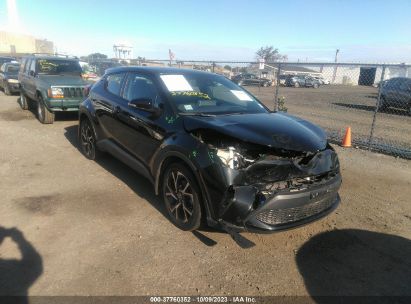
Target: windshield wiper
x: 196, y: 114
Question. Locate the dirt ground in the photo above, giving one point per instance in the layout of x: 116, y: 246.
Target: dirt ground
x: 96, y: 228
x: 335, y: 107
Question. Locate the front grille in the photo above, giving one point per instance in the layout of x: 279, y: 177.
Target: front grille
x: 288, y: 215
x: 73, y: 92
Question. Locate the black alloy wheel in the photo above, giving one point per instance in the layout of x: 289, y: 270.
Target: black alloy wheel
x: 181, y: 197
x: 88, y: 140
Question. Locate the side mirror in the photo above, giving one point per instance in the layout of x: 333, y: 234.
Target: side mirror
x: 145, y: 104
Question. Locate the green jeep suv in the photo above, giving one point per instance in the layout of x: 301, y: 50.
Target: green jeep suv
x: 54, y: 83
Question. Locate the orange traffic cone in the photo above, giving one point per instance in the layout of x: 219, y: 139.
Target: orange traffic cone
x: 347, y: 138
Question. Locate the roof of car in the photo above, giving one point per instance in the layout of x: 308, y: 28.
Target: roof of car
x: 51, y: 57
x: 154, y: 70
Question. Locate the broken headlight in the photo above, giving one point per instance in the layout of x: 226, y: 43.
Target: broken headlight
x: 232, y: 158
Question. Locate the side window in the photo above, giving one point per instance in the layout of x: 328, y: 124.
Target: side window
x: 139, y: 86
x: 2, y: 68
x: 33, y: 66
x: 26, y: 66
x: 113, y: 83
x: 22, y: 64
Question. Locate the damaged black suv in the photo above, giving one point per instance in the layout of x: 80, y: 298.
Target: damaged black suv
x: 211, y: 149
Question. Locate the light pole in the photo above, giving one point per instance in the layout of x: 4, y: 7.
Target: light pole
x: 335, y: 67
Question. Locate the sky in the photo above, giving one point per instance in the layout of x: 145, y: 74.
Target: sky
x: 363, y: 30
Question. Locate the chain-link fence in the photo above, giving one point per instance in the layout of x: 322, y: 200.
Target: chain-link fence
x: 373, y: 99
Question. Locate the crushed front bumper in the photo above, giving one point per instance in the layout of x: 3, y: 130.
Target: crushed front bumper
x: 285, y: 209
x: 288, y: 209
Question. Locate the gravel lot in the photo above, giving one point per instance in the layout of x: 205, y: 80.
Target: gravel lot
x: 96, y: 228
x: 335, y: 107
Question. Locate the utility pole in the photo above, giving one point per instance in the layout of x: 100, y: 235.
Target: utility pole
x: 335, y: 67
x: 336, y: 55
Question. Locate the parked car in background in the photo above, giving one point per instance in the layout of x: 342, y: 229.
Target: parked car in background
x: 251, y: 79
x: 88, y: 73
x: 54, y: 83
x: 283, y: 79
x: 322, y: 80
x: 213, y: 152
x: 378, y: 83
x: 9, y: 78
x: 396, y: 93
x: 302, y: 81
x: 6, y: 59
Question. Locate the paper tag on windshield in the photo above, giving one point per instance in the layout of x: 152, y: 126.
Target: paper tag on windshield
x: 176, y: 83
x: 241, y: 95
x: 188, y: 107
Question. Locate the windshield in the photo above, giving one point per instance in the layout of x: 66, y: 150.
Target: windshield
x: 58, y: 66
x: 13, y: 69
x: 209, y: 94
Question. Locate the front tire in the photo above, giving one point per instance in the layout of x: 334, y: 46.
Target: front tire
x: 43, y: 114
x: 23, y: 102
x: 315, y: 86
x: 181, y: 197
x: 296, y: 85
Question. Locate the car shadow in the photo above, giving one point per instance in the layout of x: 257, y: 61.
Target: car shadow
x: 17, y: 275
x: 144, y: 189
x: 392, y: 111
x: 354, y: 262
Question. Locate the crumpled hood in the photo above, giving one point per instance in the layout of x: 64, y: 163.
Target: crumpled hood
x: 63, y: 80
x: 275, y: 130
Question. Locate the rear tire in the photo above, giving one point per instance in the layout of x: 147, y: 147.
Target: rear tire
x: 87, y: 140
x: 43, y: 114
x: 23, y: 101
x: 296, y: 85
x: 181, y: 197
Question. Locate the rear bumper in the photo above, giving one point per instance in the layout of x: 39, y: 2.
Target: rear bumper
x: 292, y: 209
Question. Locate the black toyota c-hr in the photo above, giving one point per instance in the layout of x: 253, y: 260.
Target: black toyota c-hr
x: 211, y: 149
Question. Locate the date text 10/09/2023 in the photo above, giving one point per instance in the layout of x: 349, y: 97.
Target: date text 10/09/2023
x: 203, y: 299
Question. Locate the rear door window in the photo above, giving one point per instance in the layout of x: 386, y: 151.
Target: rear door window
x: 113, y: 83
